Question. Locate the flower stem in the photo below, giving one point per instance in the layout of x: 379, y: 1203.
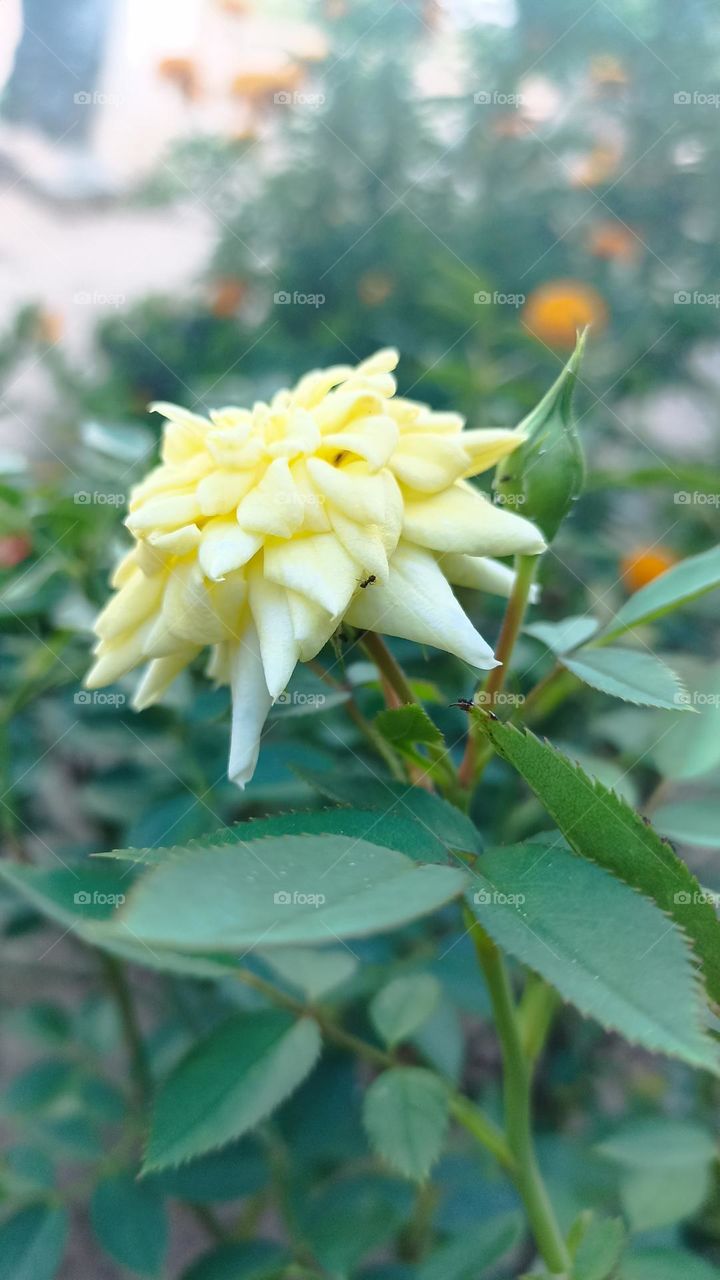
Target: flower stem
x: 517, y: 1084
x: 471, y: 767
x: 389, y: 667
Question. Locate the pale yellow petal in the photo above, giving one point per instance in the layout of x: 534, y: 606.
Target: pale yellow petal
x: 274, y: 507
x: 130, y: 606
x: 158, y: 677
x: 225, y: 547
x: 251, y: 702
x: 418, y: 604
x: 316, y: 566
x: 463, y: 520
x: 428, y: 463
x: 487, y: 447
x: 271, y: 613
x: 220, y: 493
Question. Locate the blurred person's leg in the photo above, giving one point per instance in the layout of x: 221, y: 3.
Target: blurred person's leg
x: 51, y: 97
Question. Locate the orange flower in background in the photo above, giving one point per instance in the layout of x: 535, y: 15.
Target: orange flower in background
x: 183, y: 73
x: 607, y: 73
x: 49, y: 326
x: 643, y: 564
x: 226, y: 296
x: 555, y: 311
x: 259, y: 84
x: 613, y: 241
x: 374, y: 288
x: 596, y: 167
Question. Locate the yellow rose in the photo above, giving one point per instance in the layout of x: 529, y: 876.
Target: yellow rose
x: 263, y: 529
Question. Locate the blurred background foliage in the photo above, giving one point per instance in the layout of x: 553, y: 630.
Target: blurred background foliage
x: 470, y: 191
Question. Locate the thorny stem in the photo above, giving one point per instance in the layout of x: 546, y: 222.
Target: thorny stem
x: 389, y: 667
x: 471, y: 767
x: 517, y: 1084
x: 117, y: 982
x: 375, y: 739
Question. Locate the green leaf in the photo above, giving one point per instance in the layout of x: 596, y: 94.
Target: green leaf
x: 599, y: 943
x: 404, y: 1005
x: 604, y: 829
x: 475, y: 1249
x: 406, y: 1113
x: 289, y: 891
x: 39, y: 1085
x: 239, y: 1169
x: 560, y: 637
x: 694, y: 822
x: 311, y: 971
x: 674, y: 588
x: 666, y: 1264
x: 599, y: 1250
x: 251, y: 1260
x: 408, y: 726
x: 349, y: 1217
x: 629, y: 674
x: 666, y: 1170
x: 448, y: 824
x: 397, y: 830
x: 683, y: 747
x: 659, y: 1144
x: 32, y: 1243
x: 130, y: 1223
x: 228, y: 1082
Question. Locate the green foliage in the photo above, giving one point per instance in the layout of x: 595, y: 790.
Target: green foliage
x: 228, y: 1083
x: 32, y: 1242
x: 401, y: 1007
x: 599, y: 1250
x: 665, y: 1170
x: 128, y: 1219
x: 554, y: 911
x: 406, y: 1114
x: 676, y: 587
x: 604, y: 829
x: 629, y: 674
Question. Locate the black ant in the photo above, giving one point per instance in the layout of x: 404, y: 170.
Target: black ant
x: 467, y: 704
x: 368, y: 581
